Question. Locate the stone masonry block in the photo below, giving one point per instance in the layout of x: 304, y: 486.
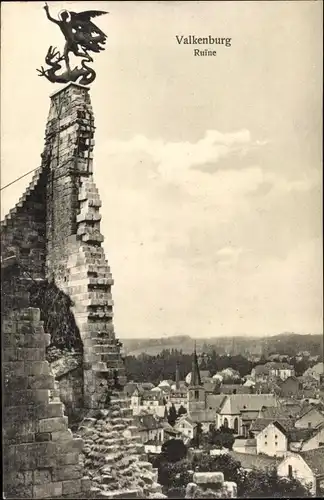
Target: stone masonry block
x: 68, y: 472
x: 42, y: 476
x: 30, y: 354
x: 15, y: 383
x: 85, y: 484
x: 27, y: 397
x: 41, y: 382
x: 69, y: 458
x: 62, y: 435
x: 37, y: 368
x: 53, y: 424
x: 208, y: 477
x: 9, y: 355
x: 74, y: 445
x: 9, y: 326
x: 30, y: 313
x: 71, y: 487
x: 48, y: 490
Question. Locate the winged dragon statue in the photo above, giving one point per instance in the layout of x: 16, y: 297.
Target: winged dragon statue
x: 81, y: 37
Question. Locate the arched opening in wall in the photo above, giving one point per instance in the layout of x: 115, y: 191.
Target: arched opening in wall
x: 236, y: 425
x: 225, y: 423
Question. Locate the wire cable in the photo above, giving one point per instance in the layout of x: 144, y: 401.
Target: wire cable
x: 18, y: 179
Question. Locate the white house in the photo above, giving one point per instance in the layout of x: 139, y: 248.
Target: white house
x: 307, y: 467
x: 186, y: 426
x: 152, y: 446
x: 272, y: 440
x: 148, y: 402
x: 272, y: 369
x: 149, y: 428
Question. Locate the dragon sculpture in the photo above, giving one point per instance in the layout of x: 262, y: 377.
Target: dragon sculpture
x: 81, y: 37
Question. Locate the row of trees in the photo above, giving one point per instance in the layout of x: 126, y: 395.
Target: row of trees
x: 175, y: 471
x: 162, y: 366
x: 173, y: 414
x: 214, y: 438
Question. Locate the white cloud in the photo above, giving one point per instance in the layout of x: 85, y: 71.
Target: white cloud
x: 201, y: 242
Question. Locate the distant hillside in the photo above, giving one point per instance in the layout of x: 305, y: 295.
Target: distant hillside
x: 285, y: 343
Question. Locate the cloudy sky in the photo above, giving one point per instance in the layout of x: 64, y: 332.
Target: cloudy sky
x: 209, y: 168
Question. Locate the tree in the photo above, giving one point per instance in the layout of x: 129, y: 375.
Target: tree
x: 173, y: 450
x: 222, y: 437
x: 182, y: 411
x: 221, y: 463
x: 300, y: 366
x: 172, y: 417
x: 174, y: 477
x: 196, y: 441
x: 263, y: 484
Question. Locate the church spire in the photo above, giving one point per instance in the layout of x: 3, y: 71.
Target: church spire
x: 177, y: 377
x: 195, y: 373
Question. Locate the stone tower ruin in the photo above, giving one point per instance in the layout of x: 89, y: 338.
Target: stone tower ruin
x: 54, y: 234
x: 62, y: 365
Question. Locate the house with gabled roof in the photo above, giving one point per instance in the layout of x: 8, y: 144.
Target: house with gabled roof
x: 149, y: 427
x: 272, y: 440
x: 290, y: 387
x: 285, y: 413
x: 186, y: 426
x: 237, y: 408
x: 250, y: 462
x: 315, y: 440
x: 261, y: 373
x: 307, y: 467
x: 261, y: 423
x: 275, y: 438
x: 315, y: 371
x: 310, y: 417
x: 308, y: 381
x: 304, y: 439
x: 236, y: 389
x: 147, y: 401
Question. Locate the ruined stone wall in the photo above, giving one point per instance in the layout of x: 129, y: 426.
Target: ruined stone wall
x: 114, y: 457
x: 53, y: 235
x: 23, y: 231
x: 41, y: 457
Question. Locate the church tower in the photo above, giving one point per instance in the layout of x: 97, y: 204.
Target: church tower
x: 196, y: 391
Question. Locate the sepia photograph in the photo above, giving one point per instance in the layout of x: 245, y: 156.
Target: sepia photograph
x: 162, y: 249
